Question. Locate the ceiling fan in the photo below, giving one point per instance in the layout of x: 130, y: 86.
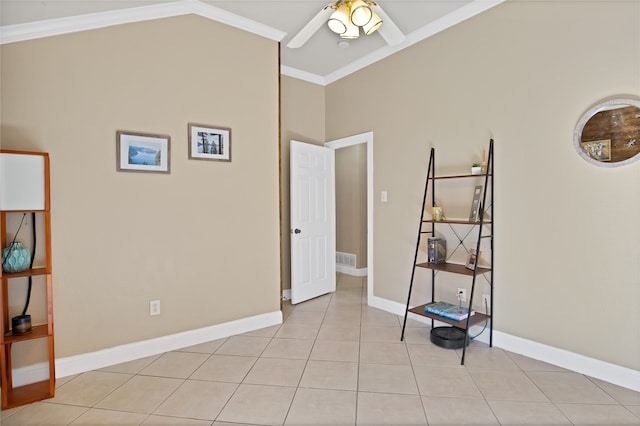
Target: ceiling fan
x: 346, y: 18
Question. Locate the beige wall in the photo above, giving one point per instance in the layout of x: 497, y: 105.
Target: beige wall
x: 204, y: 239
x: 566, y: 233
x: 302, y: 119
x: 351, y: 202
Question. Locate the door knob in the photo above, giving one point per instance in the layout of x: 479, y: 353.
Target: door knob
x: 297, y: 231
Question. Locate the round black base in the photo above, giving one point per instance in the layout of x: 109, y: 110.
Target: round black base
x: 21, y: 324
x: 447, y: 337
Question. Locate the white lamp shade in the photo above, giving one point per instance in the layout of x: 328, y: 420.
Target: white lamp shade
x: 360, y: 13
x: 22, y: 182
x: 373, y: 24
x: 352, y: 32
x: 339, y: 20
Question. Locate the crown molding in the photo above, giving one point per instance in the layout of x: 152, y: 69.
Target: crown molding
x: 303, y: 75
x: 52, y: 27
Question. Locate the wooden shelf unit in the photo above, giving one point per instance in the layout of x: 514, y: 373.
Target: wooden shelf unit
x: 14, y: 396
x: 455, y: 268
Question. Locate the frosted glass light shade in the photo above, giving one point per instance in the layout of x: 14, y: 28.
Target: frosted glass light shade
x: 373, y: 24
x: 360, y: 13
x: 339, y: 20
x: 22, y: 182
x: 352, y: 32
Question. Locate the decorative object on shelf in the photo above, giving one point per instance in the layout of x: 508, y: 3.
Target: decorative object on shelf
x: 448, y: 310
x: 142, y: 152
x: 475, y: 204
x: 436, y: 213
x: 472, y: 259
x: 476, y: 169
x: 608, y: 134
x: 15, y: 258
x: 436, y: 250
x: 20, y: 325
x: 209, y: 143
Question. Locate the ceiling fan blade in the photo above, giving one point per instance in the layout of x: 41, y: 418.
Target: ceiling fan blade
x: 310, y: 29
x: 388, y: 30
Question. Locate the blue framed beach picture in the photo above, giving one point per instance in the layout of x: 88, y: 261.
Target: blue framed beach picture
x: 209, y: 142
x: 142, y: 152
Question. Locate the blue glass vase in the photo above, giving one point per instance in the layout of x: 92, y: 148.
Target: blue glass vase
x: 15, y: 258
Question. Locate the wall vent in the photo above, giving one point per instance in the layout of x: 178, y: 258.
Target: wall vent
x: 346, y: 259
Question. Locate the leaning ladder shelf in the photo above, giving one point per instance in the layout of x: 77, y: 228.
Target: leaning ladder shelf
x: 482, y: 225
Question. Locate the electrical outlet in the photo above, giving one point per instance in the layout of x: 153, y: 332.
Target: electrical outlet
x: 154, y: 307
x: 462, y: 294
x: 486, y: 301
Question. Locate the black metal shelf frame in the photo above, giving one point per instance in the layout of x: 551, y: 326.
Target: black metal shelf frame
x: 453, y: 268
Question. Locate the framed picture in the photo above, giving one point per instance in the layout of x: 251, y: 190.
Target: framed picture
x: 475, y: 204
x: 599, y: 150
x: 142, y: 152
x: 209, y: 143
x: 472, y: 259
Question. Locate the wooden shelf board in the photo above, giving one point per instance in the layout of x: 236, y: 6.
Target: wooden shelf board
x: 27, y: 394
x: 480, y: 175
x: 27, y: 273
x: 453, y: 268
x: 475, y: 319
x: 37, y: 332
x: 457, y: 221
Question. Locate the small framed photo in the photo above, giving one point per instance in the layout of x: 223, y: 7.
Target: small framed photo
x: 600, y: 150
x: 472, y: 259
x: 209, y: 143
x: 142, y: 152
x: 475, y: 204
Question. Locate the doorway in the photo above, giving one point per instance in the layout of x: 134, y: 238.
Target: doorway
x: 363, y: 138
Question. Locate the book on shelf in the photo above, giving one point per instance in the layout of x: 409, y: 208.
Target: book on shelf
x: 448, y: 310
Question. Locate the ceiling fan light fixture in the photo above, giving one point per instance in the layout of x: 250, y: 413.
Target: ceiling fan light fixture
x: 361, y: 13
x: 372, y: 26
x: 353, y: 32
x: 339, y: 20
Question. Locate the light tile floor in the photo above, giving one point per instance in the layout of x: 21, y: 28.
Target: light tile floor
x: 334, y: 361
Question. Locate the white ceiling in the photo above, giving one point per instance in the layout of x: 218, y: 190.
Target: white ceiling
x: 320, y: 60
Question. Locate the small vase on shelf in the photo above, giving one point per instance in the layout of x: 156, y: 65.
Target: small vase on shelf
x: 15, y: 258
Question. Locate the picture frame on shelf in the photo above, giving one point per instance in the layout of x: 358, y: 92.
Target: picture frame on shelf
x: 472, y: 259
x: 142, y: 152
x: 209, y: 142
x: 475, y: 204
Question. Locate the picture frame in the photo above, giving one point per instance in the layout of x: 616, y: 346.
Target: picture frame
x: 598, y: 150
x: 475, y: 204
x: 209, y: 142
x: 472, y: 259
x: 142, y: 152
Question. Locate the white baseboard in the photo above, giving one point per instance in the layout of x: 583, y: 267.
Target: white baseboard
x: 591, y: 367
x: 95, y: 360
x: 349, y: 270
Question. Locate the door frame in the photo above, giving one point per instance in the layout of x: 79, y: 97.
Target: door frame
x: 367, y: 138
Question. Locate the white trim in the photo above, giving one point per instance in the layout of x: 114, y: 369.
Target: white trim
x: 349, y: 270
x: 95, y: 360
x: 303, y: 75
x: 52, y: 27
x: 355, y: 140
x: 286, y: 294
x: 618, y: 375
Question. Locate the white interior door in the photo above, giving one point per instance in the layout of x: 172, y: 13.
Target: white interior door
x: 313, y: 223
